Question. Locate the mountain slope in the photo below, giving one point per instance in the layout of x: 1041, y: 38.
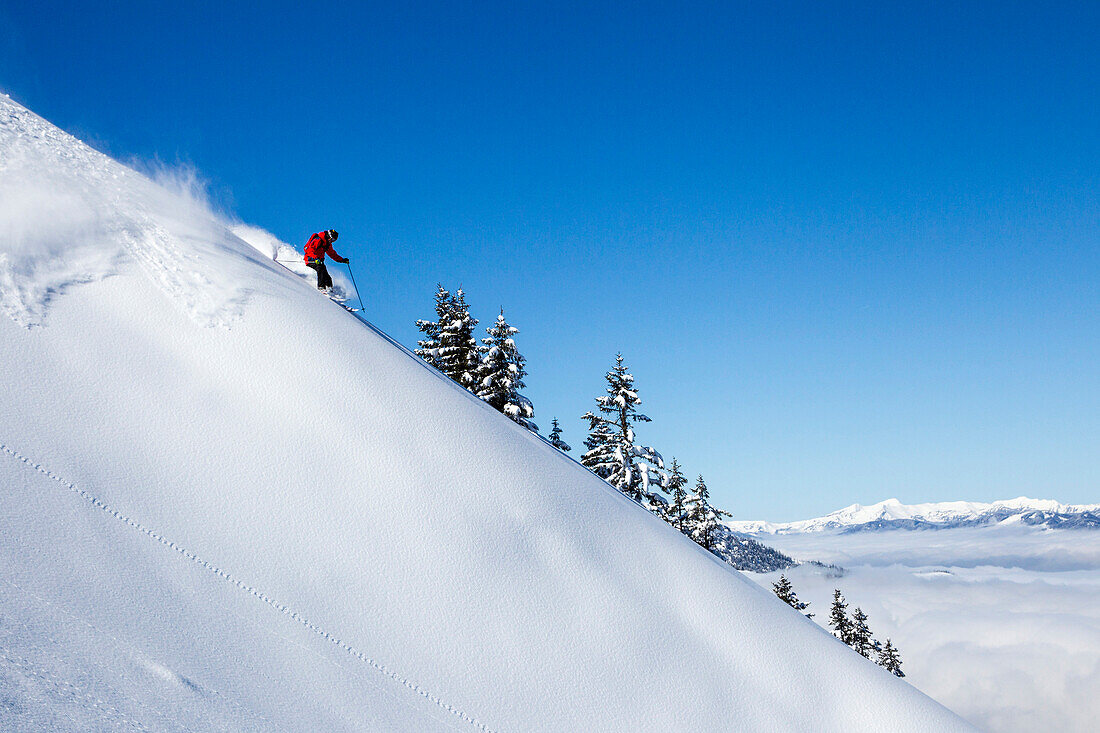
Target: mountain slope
x: 231, y: 505
x: 892, y: 514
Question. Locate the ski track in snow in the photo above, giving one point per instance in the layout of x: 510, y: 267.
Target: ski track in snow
x: 139, y: 658
x: 180, y: 275
x: 282, y: 608
x: 70, y: 215
x: 63, y: 690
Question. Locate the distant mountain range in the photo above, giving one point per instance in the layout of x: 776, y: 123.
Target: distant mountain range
x: 892, y: 514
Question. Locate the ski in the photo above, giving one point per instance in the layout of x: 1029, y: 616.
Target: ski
x: 338, y: 300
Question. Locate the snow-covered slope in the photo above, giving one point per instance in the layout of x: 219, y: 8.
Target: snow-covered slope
x: 228, y: 504
x: 892, y: 514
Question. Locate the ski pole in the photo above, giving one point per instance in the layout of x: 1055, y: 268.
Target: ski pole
x: 357, y: 295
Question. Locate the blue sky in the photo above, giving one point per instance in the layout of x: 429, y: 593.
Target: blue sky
x: 848, y: 253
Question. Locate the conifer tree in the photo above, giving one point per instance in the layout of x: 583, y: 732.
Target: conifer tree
x: 428, y: 349
x: 704, y: 519
x: 612, y: 452
x: 861, y: 639
x: 555, y: 437
x: 600, y: 445
x: 838, y: 618
x: 500, y: 374
x: 785, y: 591
x: 458, y: 354
x: 889, y: 658
x: 677, y: 512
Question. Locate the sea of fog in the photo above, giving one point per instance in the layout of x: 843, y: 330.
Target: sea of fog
x: 1001, y: 624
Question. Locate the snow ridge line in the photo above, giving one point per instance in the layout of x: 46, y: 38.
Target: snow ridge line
x: 282, y: 608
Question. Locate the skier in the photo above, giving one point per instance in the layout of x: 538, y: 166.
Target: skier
x: 319, y: 245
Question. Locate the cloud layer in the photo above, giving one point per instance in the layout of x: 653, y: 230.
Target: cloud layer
x: 1001, y: 625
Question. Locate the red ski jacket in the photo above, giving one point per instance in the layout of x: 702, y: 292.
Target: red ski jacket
x: 318, y: 245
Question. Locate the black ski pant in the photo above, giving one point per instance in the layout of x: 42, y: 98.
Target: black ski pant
x: 324, y: 280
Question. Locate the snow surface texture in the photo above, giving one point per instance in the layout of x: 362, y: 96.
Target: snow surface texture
x: 292, y: 524
x: 1001, y: 623
x: 892, y: 513
x: 70, y: 215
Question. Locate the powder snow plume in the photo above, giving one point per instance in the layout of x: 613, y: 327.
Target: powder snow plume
x: 70, y: 215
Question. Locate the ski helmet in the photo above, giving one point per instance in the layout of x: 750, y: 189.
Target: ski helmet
x: 332, y: 235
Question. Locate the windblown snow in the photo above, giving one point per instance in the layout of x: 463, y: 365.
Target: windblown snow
x: 231, y: 505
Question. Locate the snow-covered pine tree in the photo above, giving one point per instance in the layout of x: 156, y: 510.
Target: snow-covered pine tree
x: 889, y: 658
x: 861, y: 639
x: 612, y: 453
x: 677, y: 513
x: 838, y: 618
x: 500, y: 374
x: 458, y: 354
x: 428, y: 348
x: 704, y: 519
x: 785, y: 591
x: 600, y: 444
x: 555, y: 437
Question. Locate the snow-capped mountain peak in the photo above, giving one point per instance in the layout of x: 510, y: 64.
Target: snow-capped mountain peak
x: 893, y: 514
